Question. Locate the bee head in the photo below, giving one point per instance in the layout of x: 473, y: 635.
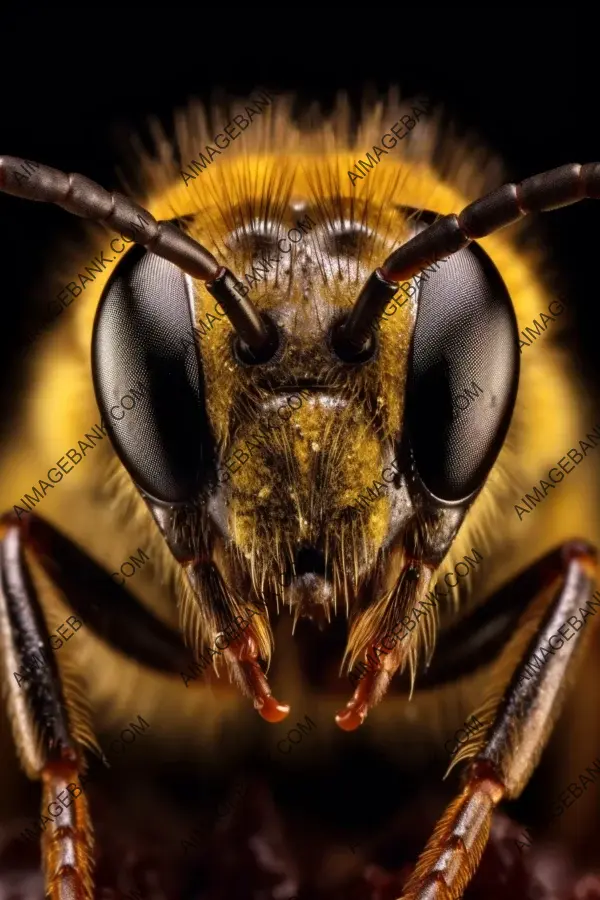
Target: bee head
x: 378, y: 384
x: 317, y: 469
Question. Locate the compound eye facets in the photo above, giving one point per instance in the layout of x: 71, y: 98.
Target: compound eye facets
x: 463, y: 374
x: 142, y: 348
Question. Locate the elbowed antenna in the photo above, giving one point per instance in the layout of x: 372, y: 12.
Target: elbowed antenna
x: 504, y: 206
x: 83, y: 197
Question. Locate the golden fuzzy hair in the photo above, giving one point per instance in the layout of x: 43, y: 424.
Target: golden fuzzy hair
x: 278, y: 161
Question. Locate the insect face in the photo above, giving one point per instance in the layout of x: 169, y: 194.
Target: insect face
x: 276, y: 516
x: 265, y: 456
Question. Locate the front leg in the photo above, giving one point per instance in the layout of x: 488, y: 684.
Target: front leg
x: 522, y: 712
x: 50, y: 727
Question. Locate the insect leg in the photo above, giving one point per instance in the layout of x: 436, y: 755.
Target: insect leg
x: 522, y: 722
x: 45, y: 729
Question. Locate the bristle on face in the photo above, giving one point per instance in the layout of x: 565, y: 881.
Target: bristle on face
x: 306, y: 499
x: 294, y: 492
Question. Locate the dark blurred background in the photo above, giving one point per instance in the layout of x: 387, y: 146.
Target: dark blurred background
x: 77, y: 84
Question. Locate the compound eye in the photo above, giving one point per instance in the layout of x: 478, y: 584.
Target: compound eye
x: 144, y: 350
x: 463, y: 374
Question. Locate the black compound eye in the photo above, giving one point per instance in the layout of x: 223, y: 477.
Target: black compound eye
x: 463, y: 373
x: 144, y: 351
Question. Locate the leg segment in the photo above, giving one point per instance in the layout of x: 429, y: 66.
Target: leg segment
x: 49, y: 732
x: 522, y: 723
x: 67, y: 842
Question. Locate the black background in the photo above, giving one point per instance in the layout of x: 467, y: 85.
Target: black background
x: 77, y: 84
